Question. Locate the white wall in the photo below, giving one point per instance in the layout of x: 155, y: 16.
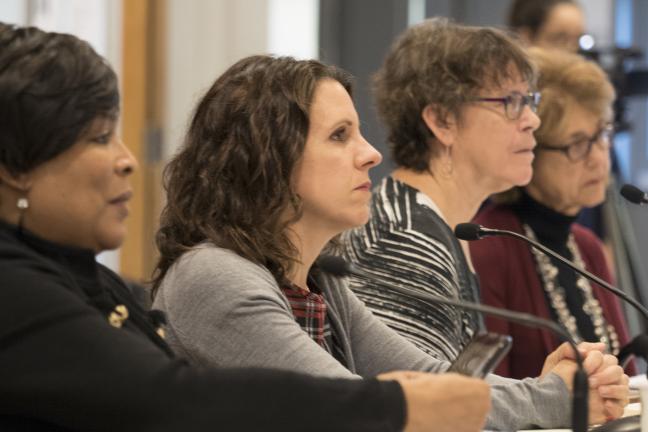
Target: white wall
x: 599, y: 16
x: 293, y: 28
x: 13, y: 11
x: 205, y: 37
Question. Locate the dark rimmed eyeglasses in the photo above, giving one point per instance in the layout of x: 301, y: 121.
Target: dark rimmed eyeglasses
x: 581, y: 148
x: 514, y: 103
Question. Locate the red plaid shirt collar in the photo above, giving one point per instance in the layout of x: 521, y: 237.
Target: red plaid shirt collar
x: 309, y: 310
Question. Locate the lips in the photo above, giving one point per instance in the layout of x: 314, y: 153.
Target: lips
x: 123, y: 198
x: 595, y: 181
x: 366, y: 186
x: 526, y: 148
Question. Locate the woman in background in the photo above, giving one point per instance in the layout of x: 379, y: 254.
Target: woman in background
x: 273, y: 168
x: 76, y: 350
x: 553, y: 24
x: 570, y: 172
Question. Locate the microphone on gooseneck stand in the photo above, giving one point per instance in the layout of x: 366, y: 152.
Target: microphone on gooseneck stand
x: 637, y: 346
x: 470, y: 232
x: 338, y: 267
x: 634, y: 194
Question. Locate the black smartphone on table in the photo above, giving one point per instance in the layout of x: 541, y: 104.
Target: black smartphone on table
x: 482, y: 355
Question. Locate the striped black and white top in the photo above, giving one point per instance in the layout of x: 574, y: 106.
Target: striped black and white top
x: 407, y: 243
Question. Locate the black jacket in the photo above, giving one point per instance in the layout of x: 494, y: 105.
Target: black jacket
x: 63, y: 366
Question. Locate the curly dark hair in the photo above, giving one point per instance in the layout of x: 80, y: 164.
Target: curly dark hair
x: 52, y: 87
x: 443, y: 65
x: 230, y: 184
x: 532, y: 14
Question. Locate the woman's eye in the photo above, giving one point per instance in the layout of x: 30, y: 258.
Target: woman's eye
x: 339, y: 135
x: 103, y: 138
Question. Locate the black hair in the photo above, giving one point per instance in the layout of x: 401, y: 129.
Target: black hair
x: 532, y: 14
x: 52, y: 87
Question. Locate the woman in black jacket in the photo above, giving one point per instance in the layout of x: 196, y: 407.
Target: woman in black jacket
x: 76, y: 351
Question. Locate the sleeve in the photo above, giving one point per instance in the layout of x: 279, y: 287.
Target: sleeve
x: 61, y: 363
x: 376, y: 347
x: 225, y: 311
x: 515, y: 404
x: 490, y: 259
x: 528, y: 404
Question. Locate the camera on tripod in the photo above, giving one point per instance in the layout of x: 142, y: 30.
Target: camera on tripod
x: 623, y: 66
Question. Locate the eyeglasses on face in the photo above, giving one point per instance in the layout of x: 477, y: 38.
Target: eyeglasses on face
x: 580, y: 148
x: 514, y: 103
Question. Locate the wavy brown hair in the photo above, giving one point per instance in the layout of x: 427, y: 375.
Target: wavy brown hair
x: 444, y: 65
x: 230, y: 184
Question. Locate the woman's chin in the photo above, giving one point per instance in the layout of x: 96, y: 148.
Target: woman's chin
x: 111, y: 241
x: 354, y: 221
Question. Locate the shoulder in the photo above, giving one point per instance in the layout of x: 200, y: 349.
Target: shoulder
x: 395, y: 204
x: 35, y: 293
x: 591, y: 247
x: 487, y: 254
x: 22, y: 268
x: 586, y: 237
x: 208, y: 273
x: 497, y: 216
x: 207, y: 261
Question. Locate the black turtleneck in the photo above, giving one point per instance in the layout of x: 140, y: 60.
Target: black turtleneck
x: 552, y: 230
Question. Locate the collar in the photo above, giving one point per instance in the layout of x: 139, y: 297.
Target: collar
x: 79, y: 261
x: 421, y: 198
x: 550, y: 226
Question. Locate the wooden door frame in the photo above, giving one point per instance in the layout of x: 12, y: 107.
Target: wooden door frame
x: 142, y: 81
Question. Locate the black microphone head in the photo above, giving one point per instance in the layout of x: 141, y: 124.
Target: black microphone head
x: 633, y: 194
x: 468, y: 231
x: 637, y: 346
x: 334, y: 265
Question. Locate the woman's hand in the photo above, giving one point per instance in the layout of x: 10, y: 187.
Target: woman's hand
x: 443, y: 402
x: 608, y: 385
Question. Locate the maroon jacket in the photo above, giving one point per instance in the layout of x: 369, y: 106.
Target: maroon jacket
x: 509, y: 279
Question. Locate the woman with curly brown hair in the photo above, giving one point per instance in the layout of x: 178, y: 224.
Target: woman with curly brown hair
x: 273, y: 168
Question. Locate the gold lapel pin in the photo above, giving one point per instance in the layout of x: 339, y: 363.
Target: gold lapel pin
x: 118, y: 316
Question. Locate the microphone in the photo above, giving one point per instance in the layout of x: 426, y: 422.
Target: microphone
x: 634, y: 194
x: 470, y: 232
x: 637, y: 346
x: 338, y: 267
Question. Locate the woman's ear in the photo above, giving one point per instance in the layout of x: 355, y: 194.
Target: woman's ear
x: 444, y: 129
x: 19, y: 182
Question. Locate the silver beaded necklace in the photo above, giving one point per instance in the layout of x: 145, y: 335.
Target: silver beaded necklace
x: 591, y: 306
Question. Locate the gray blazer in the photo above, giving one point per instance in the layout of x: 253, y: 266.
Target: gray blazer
x: 226, y: 311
